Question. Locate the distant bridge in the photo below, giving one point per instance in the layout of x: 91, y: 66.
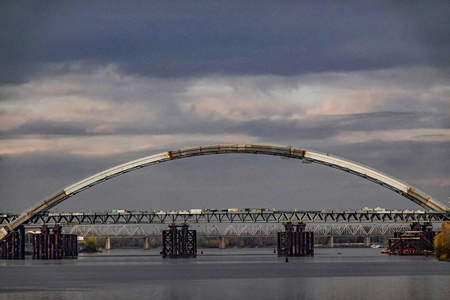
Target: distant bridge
x: 236, y: 230
x: 305, y: 156
x: 101, y: 218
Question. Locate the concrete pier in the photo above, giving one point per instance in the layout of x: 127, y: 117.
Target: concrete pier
x: 146, y: 244
x: 331, y: 241
x: 108, y: 243
x: 222, y: 244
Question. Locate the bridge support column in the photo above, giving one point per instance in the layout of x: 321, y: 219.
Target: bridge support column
x: 54, y: 245
x: 13, y: 246
x: 367, y: 241
x: 295, y: 243
x: 108, y: 243
x: 179, y: 243
x: 417, y: 241
x: 222, y: 243
x: 22, y: 242
x: 146, y: 244
x: 331, y: 241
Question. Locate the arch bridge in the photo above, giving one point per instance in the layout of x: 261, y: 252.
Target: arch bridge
x: 306, y: 156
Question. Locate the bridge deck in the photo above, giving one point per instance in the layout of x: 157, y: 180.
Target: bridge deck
x: 230, y: 217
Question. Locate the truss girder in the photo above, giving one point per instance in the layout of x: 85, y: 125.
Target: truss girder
x: 236, y: 217
x: 239, y: 230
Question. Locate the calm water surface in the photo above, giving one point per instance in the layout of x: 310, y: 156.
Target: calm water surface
x: 228, y: 274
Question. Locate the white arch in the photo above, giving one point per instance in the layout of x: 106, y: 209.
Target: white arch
x: 307, y: 156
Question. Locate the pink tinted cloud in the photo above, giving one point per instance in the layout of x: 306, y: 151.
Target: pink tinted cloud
x: 14, y: 117
x: 112, y: 144
x: 236, y: 101
x: 424, y: 135
x: 344, y: 102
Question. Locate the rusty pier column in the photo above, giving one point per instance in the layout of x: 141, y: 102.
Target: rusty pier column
x: 179, y: 243
x: 54, y: 245
x: 13, y: 246
x: 295, y: 243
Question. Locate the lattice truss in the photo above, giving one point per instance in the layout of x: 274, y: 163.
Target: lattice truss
x: 244, y: 230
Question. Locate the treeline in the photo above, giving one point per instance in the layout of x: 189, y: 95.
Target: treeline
x: 323, y: 240
x: 202, y: 242
x: 231, y: 242
x: 237, y: 242
x: 129, y: 243
x: 442, y: 242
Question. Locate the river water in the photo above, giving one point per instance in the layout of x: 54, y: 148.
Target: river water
x: 228, y: 274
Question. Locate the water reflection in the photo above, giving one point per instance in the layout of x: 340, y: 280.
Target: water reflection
x: 228, y: 274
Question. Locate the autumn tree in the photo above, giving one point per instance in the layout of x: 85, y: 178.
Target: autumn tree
x: 442, y: 242
x: 91, y: 244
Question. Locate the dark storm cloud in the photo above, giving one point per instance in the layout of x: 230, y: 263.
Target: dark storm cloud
x: 325, y: 127
x: 390, y: 120
x: 49, y: 128
x: 183, y: 38
x: 317, y: 128
x: 313, y: 129
x: 403, y: 159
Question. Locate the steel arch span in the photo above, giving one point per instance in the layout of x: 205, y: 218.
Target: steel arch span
x: 306, y: 156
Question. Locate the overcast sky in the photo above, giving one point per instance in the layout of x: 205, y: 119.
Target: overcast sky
x: 87, y: 85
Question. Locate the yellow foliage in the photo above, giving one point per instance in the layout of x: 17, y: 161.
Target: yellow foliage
x: 91, y: 244
x: 442, y: 241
